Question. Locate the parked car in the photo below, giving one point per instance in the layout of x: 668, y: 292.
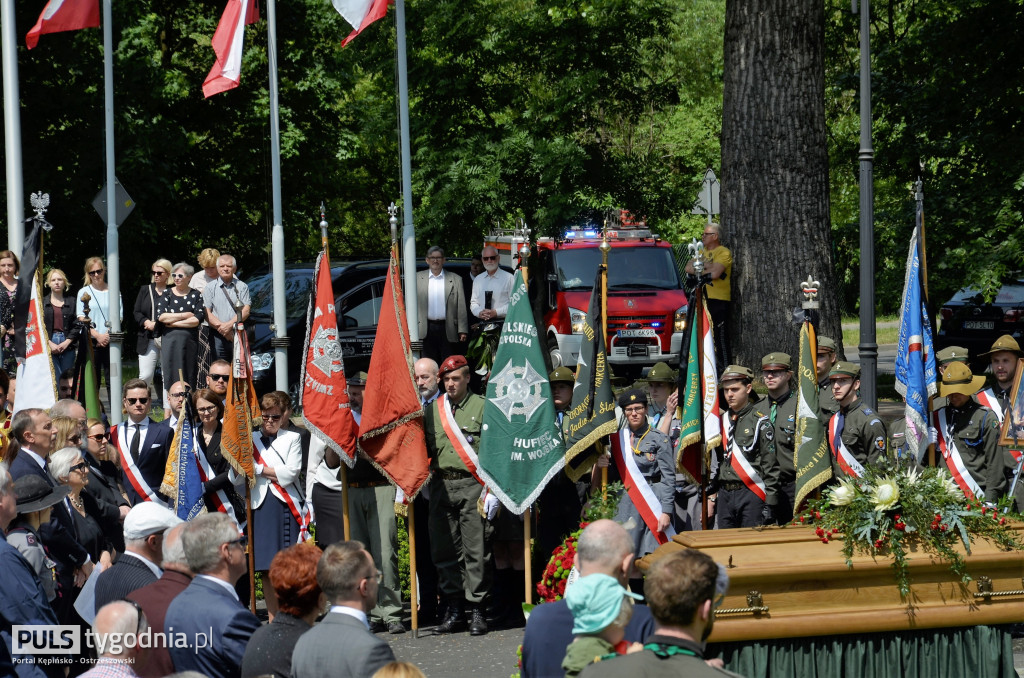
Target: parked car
x: 968, y: 320
x: 358, y: 290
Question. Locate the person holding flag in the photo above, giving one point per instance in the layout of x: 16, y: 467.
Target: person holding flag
x: 856, y: 434
x: 777, y: 374
x: 825, y: 358
x: 1004, y: 356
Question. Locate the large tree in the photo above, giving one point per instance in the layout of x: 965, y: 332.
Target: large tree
x: 775, y: 199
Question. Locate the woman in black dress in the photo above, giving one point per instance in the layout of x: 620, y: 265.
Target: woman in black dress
x: 180, y: 311
x: 69, y: 468
x: 210, y: 410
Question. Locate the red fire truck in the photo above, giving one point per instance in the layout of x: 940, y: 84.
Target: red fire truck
x: 646, y: 301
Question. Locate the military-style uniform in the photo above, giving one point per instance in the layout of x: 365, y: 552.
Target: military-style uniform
x: 751, y: 434
x: 975, y: 430
x: 782, y: 415
x: 653, y: 455
x: 827, y: 405
x: 454, y: 519
x: 21, y: 536
x: 863, y: 432
x: 371, y: 507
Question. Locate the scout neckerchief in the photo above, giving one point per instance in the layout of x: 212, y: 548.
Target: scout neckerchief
x: 738, y: 459
x: 840, y: 451
x: 947, y: 445
x: 128, y: 466
x: 640, y: 491
x: 288, y: 496
x: 988, y: 399
x: 455, y: 436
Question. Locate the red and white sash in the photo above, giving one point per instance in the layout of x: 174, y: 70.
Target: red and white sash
x: 218, y: 500
x: 288, y: 496
x: 841, y: 452
x: 456, y: 437
x: 639, y: 490
x: 947, y: 445
x: 131, y: 471
x: 739, y: 462
x: 989, y: 400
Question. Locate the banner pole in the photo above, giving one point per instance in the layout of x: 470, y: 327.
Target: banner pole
x: 605, y: 249
x: 524, y: 258
x: 250, y: 550
x: 343, y: 476
x: 413, y: 585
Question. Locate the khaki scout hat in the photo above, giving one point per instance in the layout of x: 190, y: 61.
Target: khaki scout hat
x: 660, y: 373
x: 951, y: 354
x: 777, y: 360
x: 562, y: 375
x: 1004, y: 343
x: 734, y: 372
x: 357, y: 379
x: 844, y: 369
x: 958, y: 378
x: 826, y: 344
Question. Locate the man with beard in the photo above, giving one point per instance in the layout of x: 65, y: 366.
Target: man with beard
x: 492, y: 290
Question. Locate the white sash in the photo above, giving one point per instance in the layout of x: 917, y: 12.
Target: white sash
x: 739, y: 462
x: 456, y: 437
x: 640, y: 491
x: 841, y: 452
x: 951, y: 455
x: 131, y: 471
x: 287, y: 495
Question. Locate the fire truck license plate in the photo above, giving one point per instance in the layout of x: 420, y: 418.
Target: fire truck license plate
x: 636, y: 334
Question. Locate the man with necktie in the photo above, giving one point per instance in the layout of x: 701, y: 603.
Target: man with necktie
x: 142, y: 445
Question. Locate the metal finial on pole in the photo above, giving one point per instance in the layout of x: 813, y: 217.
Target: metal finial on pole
x: 696, y: 250
x: 323, y: 224
x: 393, y: 221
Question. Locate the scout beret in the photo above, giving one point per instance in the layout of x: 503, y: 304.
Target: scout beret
x: 777, y: 359
x: 452, y: 363
x: 633, y: 396
x: 845, y: 369
x: 1005, y: 343
x: 562, y: 375
x: 734, y: 372
x: 661, y: 372
x: 951, y: 354
x: 958, y: 378
x: 826, y: 344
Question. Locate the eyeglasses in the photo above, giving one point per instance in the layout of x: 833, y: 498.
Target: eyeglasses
x: 178, y: 394
x: 160, y: 272
x: 99, y: 272
x: 435, y: 258
x: 774, y: 374
x: 178, y: 275
x: 132, y: 401
x: 635, y: 409
x: 140, y: 615
x: 76, y: 439
x: 379, y: 576
x: 206, y: 410
x: 271, y: 417
x: 489, y: 258
x: 80, y: 466
x: 240, y: 542
x: 219, y: 377
x: 99, y: 437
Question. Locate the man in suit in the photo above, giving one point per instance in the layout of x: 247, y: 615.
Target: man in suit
x: 604, y: 547
x: 442, y: 307
x: 155, y: 598
x: 210, y: 605
x: 33, y: 430
x: 142, y: 445
x: 341, y: 645
x: 139, y: 565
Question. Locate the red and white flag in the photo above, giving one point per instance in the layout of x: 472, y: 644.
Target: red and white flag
x: 35, y: 374
x: 360, y: 13
x: 64, y: 15
x: 227, y: 45
x: 325, y: 404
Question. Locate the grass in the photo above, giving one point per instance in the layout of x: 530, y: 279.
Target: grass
x: 887, y: 330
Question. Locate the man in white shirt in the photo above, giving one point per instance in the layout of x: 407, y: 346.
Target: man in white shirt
x: 442, y: 308
x: 227, y: 301
x: 492, y: 289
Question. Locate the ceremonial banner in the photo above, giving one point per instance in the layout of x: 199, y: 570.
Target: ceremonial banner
x: 810, y: 453
x: 391, y: 430
x: 915, y: 356
x: 521, y: 447
x: 241, y: 411
x: 227, y: 45
x: 325, y: 404
x: 64, y: 15
x: 182, y: 482
x: 36, y: 380
x: 698, y: 395
x: 592, y: 413
x: 360, y: 13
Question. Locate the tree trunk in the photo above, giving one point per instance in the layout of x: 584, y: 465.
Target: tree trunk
x: 775, y: 199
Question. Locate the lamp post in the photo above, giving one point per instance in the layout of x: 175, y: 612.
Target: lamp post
x: 868, y: 349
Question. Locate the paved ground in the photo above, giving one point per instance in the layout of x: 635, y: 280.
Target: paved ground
x: 460, y: 654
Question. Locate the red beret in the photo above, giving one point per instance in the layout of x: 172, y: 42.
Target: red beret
x: 452, y: 363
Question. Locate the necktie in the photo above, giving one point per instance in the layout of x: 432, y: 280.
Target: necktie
x: 134, y: 445
x: 840, y: 421
x: 773, y: 412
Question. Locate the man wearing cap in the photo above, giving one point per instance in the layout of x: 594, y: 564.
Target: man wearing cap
x: 371, y: 511
x: 777, y: 373
x: 826, y: 358
x: 748, y: 477
x: 1004, y: 355
x: 647, y: 457
x: 898, y: 428
x: 35, y: 500
x: 442, y: 307
x: 661, y: 385
x: 461, y: 547
x: 139, y: 565
x: 856, y: 434
x: 967, y: 436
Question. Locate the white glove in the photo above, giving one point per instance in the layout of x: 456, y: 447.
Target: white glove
x: 490, y: 506
x: 933, y: 435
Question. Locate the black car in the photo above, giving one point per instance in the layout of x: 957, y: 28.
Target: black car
x: 358, y: 291
x: 968, y: 320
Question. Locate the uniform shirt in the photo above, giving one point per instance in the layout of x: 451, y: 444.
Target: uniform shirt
x: 785, y: 432
x: 499, y: 284
x: 469, y: 415
x: 975, y: 430
x: 652, y: 452
x: 21, y: 536
x: 864, y: 434
x: 720, y: 287
x: 827, y: 405
x: 752, y: 435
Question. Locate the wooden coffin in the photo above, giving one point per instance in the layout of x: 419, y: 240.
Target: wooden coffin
x: 785, y: 583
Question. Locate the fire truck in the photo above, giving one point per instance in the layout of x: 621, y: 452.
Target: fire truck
x: 646, y: 301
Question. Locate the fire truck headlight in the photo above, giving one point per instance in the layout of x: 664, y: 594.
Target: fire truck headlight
x: 577, y: 319
x: 680, y: 320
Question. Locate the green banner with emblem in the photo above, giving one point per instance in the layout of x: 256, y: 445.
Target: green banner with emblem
x: 810, y: 456
x: 521, y: 448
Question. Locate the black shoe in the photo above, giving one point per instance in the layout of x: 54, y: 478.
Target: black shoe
x: 395, y: 628
x: 453, y: 621
x: 377, y: 626
x: 477, y: 623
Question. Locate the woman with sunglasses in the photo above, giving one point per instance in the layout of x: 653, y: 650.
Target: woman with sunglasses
x: 69, y: 468
x: 150, y: 335
x: 103, y: 485
x: 99, y: 312
x: 180, y: 311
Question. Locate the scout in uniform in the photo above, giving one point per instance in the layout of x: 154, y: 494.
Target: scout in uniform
x: 661, y: 413
x: 748, y: 478
x: 36, y: 498
x: 1004, y: 355
x: 856, y: 434
x: 898, y: 428
x: 967, y: 436
x: 777, y: 374
x: 460, y: 544
x: 826, y: 358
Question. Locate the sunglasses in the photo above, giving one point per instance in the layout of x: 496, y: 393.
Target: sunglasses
x: 178, y: 275
x: 489, y: 258
x: 99, y: 272
x: 241, y: 541
x: 132, y: 401
x: 178, y: 394
x: 80, y: 466
x: 160, y: 272
x: 219, y: 377
x: 775, y: 374
x: 99, y: 437
x: 271, y: 417
x: 140, y: 616
x: 76, y: 439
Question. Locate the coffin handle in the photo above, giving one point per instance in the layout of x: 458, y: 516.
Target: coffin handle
x: 985, y: 590
x: 755, y: 605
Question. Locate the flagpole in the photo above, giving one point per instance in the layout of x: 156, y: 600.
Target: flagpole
x: 280, y: 339
x: 605, y: 249
x: 113, y: 256
x: 524, y: 256
x: 251, y: 550
x: 12, y: 130
x: 408, y: 229
x: 699, y: 316
x: 919, y: 226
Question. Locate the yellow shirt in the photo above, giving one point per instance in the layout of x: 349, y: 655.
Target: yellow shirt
x: 720, y: 287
